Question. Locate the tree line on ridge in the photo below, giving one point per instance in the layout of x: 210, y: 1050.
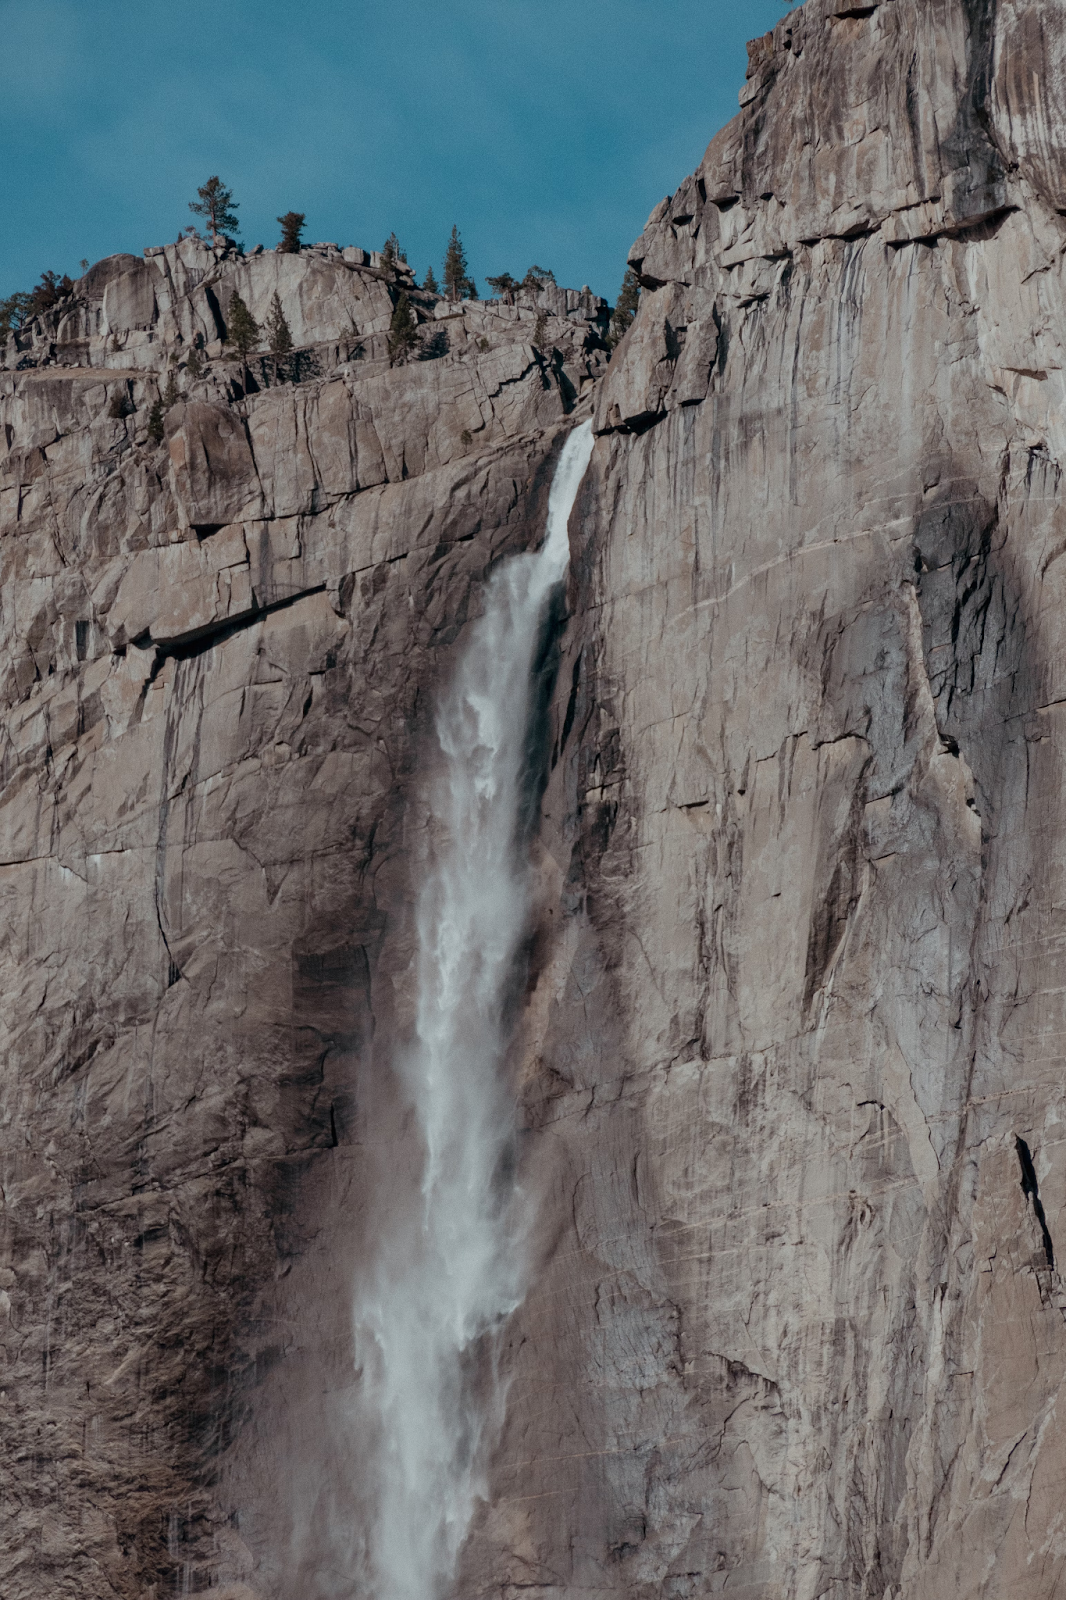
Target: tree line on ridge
x: 217, y: 209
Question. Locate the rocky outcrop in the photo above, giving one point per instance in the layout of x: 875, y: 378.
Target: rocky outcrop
x: 789, y: 1053
x: 150, y: 314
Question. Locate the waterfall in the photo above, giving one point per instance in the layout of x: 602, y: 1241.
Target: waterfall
x: 451, y: 1270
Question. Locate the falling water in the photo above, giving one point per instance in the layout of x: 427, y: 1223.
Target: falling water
x: 448, y: 1276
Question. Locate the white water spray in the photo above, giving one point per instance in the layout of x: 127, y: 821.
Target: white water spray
x: 449, y: 1273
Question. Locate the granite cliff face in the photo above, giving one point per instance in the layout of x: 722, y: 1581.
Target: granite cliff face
x: 790, y: 1057
x: 219, y: 655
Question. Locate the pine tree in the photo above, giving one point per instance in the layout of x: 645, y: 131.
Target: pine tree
x: 457, y: 285
x: 170, y: 393
x: 217, y: 207
x: 243, y: 329
x: 403, y: 332
x: 278, y: 333
x: 292, y: 225
x: 392, y: 253
x: 504, y: 286
x: 429, y: 282
x: 155, y: 423
x: 194, y: 366
x: 626, y: 309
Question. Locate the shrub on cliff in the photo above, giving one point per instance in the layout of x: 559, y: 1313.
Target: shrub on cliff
x: 626, y: 309
x: 13, y: 313
x: 242, y: 328
x: 168, y: 398
x: 216, y: 206
x: 278, y: 334
x: 403, y: 332
x: 48, y: 293
x: 18, y: 308
x: 536, y: 278
x: 292, y: 225
x: 504, y: 287
x: 432, y: 346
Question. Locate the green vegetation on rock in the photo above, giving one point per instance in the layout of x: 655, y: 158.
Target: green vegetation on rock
x: 217, y: 207
x: 403, y: 332
x: 458, y: 285
x: 626, y: 309
x: 292, y: 224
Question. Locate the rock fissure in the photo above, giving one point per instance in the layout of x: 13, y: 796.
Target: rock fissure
x: 1031, y: 1191
x: 186, y: 647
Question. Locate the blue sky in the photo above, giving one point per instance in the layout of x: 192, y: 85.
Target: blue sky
x: 546, y: 129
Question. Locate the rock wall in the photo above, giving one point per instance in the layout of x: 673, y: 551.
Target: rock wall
x: 791, y: 1069
x: 797, y: 1074
x: 216, y: 674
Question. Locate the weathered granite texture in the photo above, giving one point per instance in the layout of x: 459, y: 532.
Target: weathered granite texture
x: 148, y: 315
x: 791, y: 1062
x: 796, y: 1062
x: 217, y: 662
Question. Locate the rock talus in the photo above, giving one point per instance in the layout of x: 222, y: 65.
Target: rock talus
x: 790, y: 1058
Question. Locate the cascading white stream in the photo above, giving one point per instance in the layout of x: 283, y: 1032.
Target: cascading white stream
x: 449, y: 1272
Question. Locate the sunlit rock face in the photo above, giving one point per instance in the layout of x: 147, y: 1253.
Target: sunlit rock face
x: 220, y: 655
x: 799, y: 1078
x: 788, y: 1033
